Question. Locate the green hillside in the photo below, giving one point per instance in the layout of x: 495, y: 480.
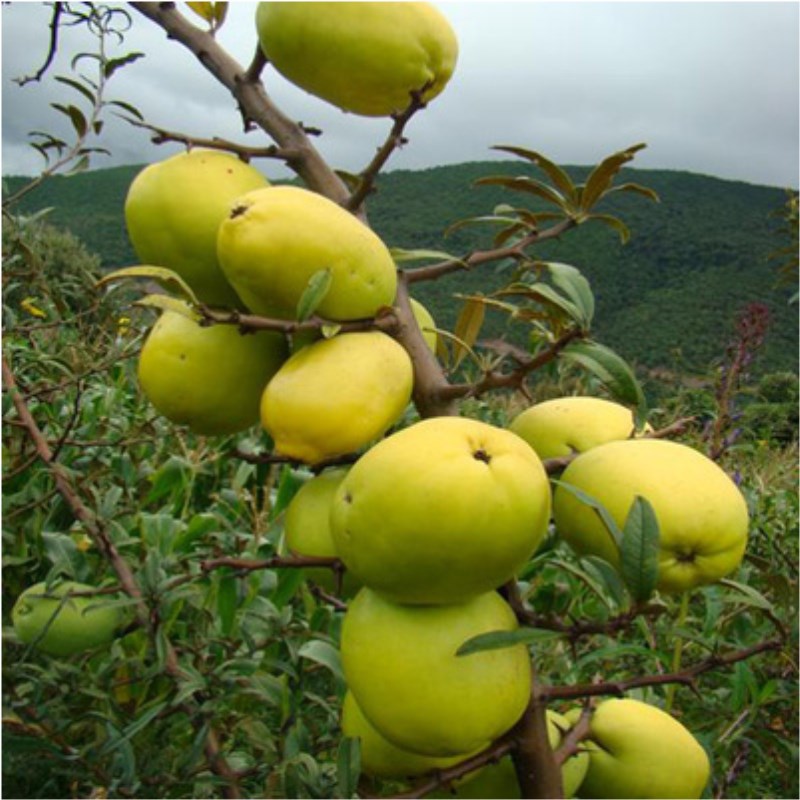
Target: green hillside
x: 669, y: 298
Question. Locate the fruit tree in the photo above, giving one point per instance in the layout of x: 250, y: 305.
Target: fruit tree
x: 338, y: 549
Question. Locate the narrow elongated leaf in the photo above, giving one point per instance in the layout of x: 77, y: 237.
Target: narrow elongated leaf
x: 324, y: 653
x: 468, y: 326
x: 402, y: 256
x: 317, y: 287
x: 635, y: 188
x: 348, y: 767
x: 166, y: 302
x: 75, y: 115
x: 167, y: 278
x: 612, y: 222
x: 612, y: 371
x: 497, y: 640
x: 602, y: 176
x: 131, y: 109
x: 113, y: 64
x: 227, y: 602
x: 597, y: 507
x: 556, y: 174
x: 573, y: 283
x: 79, y: 87
x: 544, y: 293
x: 492, y: 219
x: 529, y: 185
x: 639, y: 551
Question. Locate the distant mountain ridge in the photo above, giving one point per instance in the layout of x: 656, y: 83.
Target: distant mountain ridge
x: 667, y: 299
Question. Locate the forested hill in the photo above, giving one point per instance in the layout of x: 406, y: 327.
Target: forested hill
x: 668, y: 298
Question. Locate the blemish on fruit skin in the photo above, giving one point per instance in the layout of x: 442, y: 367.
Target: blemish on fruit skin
x: 348, y: 498
x: 237, y: 211
x: 481, y: 455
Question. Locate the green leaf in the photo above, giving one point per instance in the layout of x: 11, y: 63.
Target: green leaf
x: 752, y: 596
x: 636, y: 188
x: 227, y: 602
x: 75, y: 115
x: 467, y: 327
x: 497, y: 640
x: 639, y: 550
x: 348, y: 767
x: 63, y: 554
x: 557, y: 175
x: 401, y: 256
x: 492, y: 219
x: 573, y: 283
x: 529, y: 185
x: 317, y: 287
x: 167, y: 278
x: 321, y: 652
x: 612, y: 222
x: 166, y: 302
x: 602, y: 176
x: 79, y: 87
x: 113, y: 64
x: 612, y: 371
x: 597, y: 507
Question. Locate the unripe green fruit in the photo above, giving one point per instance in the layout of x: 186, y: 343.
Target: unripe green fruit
x: 639, y: 751
x: 173, y: 211
x: 64, y: 627
x: 702, y: 515
x: 275, y: 239
x: 336, y: 395
x: 379, y: 757
x: 366, y: 58
x: 400, y: 663
x: 442, y: 510
x: 209, y: 378
x: 307, y: 530
x: 568, y: 425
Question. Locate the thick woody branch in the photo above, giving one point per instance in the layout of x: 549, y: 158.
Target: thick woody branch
x: 254, y: 103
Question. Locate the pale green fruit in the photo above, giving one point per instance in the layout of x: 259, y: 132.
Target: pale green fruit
x: 500, y: 779
x: 702, y: 515
x: 426, y: 323
x: 173, y: 211
x: 440, y: 511
x: 275, y: 239
x: 637, y: 750
x: 63, y: 627
x: 336, y: 395
x: 379, y: 757
x: 568, y: 425
x: 400, y: 663
x: 307, y: 530
x: 209, y: 378
x: 366, y: 58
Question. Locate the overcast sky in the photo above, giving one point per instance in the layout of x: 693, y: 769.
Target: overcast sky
x: 712, y: 87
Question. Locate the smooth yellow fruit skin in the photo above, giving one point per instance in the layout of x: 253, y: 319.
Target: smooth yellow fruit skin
x: 379, y: 757
x: 207, y: 378
x: 336, y: 395
x: 702, y: 515
x: 423, y: 518
x: 426, y: 323
x: 643, y: 753
x: 567, y: 425
x: 275, y: 239
x: 500, y: 779
x: 400, y: 663
x: 307, y: 530
x: 82, y: 623
x: 365, y: 58
x: 173, y: 211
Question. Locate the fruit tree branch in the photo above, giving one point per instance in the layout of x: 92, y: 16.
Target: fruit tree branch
x: 687, y: 677
x: 254, y: 103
